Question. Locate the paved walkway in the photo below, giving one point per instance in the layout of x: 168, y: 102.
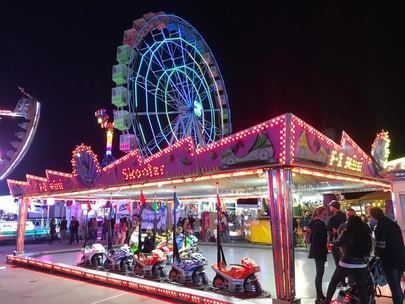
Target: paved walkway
x: 263, y: 256
x: 23, y: 286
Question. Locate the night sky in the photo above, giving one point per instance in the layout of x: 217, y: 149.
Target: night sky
x: 333, y: 66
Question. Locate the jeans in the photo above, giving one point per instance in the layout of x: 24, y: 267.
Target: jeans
x: 336, y: 253
x: 63, y: 234
x: 394, y: 281
x: 320, y: 269
x: 359, y: 275
x: 72, y: 236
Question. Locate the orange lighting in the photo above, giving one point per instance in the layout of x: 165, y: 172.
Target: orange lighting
x: 159, y: 183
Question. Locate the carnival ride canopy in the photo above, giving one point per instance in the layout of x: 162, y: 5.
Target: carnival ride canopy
x: 238, y: 161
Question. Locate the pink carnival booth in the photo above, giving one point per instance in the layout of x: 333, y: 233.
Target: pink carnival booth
x: 277, y: 156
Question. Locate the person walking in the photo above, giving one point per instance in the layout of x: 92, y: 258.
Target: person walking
x: 74, y: 230
x: 63, y: 229
x: 104, y: 228
x: 355, y: 243
x: 318, y: 248
x: 390, y: 248
x: 52, y: 230
x: 334, y: 222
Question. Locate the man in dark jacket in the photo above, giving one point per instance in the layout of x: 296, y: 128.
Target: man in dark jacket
x: 390, y: 248
x: 334, y: 222
x: 63, y: 229
x: 74, y: 230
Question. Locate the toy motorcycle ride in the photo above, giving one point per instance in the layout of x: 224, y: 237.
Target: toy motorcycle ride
x: 189, y: 271
x: 238, y: 278
x: 150, y: 266
x: 93, y: 256
x: 120, y: 260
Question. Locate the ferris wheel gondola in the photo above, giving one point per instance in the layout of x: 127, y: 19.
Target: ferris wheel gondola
x: 169, y: 86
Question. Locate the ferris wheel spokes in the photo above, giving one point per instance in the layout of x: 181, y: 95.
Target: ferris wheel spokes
x: 174, y: 86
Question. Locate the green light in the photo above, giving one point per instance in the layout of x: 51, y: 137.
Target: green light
x: 197, y: 108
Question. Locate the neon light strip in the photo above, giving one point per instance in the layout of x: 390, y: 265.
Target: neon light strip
x: 346, y: 137
x: 16, y: 182
x: 27, y: 143
x: 160, y: 183
x: 39, y: 178
x: 341, y: 177
x: 51, y: 172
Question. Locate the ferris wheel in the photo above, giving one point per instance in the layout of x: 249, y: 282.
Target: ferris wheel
x: 169, y: 86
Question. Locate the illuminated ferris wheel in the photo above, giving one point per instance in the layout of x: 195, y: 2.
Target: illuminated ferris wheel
x: 169, y: 86
x: 25, y: 122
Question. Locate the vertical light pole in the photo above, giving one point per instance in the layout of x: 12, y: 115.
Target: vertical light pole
x: 281, y: 218
x: 22, y: 220
x: 102, y: 119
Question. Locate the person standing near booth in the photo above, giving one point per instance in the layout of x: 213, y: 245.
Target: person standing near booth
x: 74, y: 230
x: 318, y: 236
x: 52, y: 230
x: 355, y: 243
x: 304, y: 223
x: 390, y: 248
x: 334, y: 222
x: 63, y: 229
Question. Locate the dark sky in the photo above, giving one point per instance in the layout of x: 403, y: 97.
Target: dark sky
x: 334, y: 66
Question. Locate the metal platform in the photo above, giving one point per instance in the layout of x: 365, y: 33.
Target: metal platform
x: 170, y: 291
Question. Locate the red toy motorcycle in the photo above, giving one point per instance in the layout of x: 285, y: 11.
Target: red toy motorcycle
x: 151, y: 266
x: 238, y: 278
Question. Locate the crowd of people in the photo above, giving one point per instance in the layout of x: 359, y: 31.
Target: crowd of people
x: 350, y: 239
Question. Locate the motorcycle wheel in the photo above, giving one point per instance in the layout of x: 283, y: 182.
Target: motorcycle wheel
x: 200, y: 278
x: 173, y: 275
x: 99, y: 261
x: 95, y: 261
x: 124, y: 266
x: 218, y: 282
x: 257, y: 286
x: 137, y: 269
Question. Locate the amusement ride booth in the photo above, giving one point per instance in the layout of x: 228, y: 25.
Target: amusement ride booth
x: 175, y: 121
